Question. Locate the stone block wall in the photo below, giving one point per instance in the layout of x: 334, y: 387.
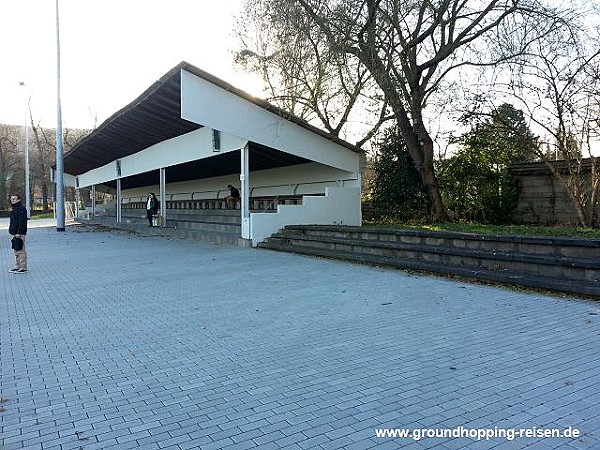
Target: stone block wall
x: 543, y: 200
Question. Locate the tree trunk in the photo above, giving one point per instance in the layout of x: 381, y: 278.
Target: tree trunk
x: 2, y: 186
x: 45, y: 195
x: 438, y: 209
x: 572, y: 193
x: 420, y: 146
x: 418, y: 142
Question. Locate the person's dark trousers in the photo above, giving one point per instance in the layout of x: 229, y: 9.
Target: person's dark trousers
x: 149, y: 216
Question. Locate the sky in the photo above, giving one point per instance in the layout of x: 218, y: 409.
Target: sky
x: 111, y: 51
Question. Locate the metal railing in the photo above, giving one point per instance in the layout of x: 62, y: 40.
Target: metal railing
x: 218, y: 194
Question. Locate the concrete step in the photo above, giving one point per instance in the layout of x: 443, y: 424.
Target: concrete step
x: 191, y: 214
x: 583, y: 248
x: 591, y: 289
x: 188, y: 218
x: 207, y: 235
x: 206, y: 226
x: 546, y: 265
x: 228, y: 220
x: 142, y: 228
x: 441, y: 254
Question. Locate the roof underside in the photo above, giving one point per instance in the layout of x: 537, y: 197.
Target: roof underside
x: 153, y: 117
x: 261, y: 158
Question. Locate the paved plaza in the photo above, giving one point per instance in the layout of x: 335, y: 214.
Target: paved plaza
x: 117, y: 341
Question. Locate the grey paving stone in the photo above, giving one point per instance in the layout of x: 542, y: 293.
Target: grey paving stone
x: 245, y: 445
x: 314, y: 442
x: 149, y: 342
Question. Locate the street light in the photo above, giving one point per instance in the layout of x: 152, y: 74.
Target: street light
x: 60, y: 187
x: 27, y: 198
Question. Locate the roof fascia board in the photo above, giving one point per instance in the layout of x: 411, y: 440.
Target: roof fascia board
x: 208, y: 104
x: 68, y: 179
x: 128, y: 108
x: 187, y: 147
x: 98, y: 175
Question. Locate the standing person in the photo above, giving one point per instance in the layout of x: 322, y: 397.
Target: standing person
x: 233, y: 197
x: 151, y: 207
x: 18, y: 228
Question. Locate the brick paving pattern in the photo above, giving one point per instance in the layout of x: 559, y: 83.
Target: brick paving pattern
x: 119, y: 341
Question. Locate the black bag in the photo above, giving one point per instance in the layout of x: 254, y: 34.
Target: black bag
x: 17, y: 243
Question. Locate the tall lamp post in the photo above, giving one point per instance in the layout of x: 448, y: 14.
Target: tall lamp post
x: 26, y: 133
x: 60, y: 186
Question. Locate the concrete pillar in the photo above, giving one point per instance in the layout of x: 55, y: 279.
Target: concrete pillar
x: 245, y: 190
x: 119, y: 199
x: 93, y: 201
x: 163, y: 196
x: 77, y: 200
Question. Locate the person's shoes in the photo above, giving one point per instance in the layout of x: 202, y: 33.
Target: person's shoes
x: 21, y: 271
x: 15, y: 270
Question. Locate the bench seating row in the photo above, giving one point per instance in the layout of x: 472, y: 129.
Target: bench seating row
x: 256, y: 203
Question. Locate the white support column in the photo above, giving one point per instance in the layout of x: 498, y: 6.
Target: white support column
x: 119, y: 199
x: 93, y: 201
x: 77, y: 200
x: 163, y: 196
x: 245, y: 190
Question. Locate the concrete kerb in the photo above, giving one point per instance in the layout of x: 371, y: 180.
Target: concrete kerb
x: 117, y: 340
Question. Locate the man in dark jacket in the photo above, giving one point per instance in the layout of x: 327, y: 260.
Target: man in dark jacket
x: 18, y: 228
x: 233, y: 198
x: 151, y: 207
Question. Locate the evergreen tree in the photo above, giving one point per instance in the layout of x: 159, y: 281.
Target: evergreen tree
x: 397, y: 189
x: 475, y: 182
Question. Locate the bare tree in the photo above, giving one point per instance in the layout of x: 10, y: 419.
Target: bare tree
x: 44, y: 157
x: 10, y: 157
x: 46, y: 142
x: 42, y: 161
x: 558, y: 84
x: 302, y: 75
x: 409, y: 48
